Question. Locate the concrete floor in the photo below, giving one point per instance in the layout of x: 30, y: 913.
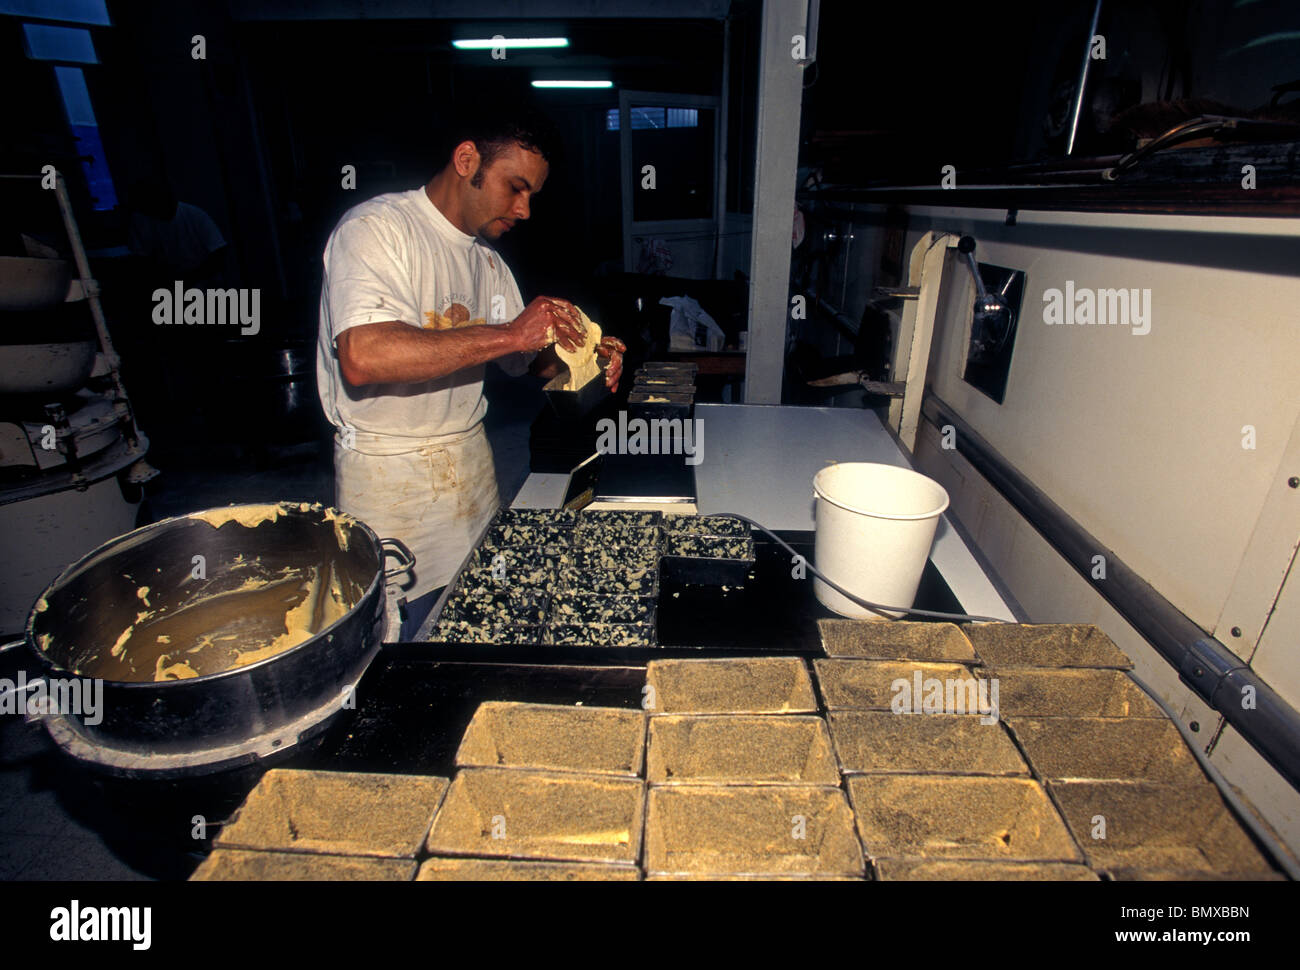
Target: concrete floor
x: 47, y: 832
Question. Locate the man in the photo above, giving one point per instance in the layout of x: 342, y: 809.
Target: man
x: 414, y: 303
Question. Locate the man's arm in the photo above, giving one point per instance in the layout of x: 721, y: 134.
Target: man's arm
x: 392, y: 352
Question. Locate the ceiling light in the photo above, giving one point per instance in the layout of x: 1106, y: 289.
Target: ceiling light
x: 573, y: 84
x: 517, y: 43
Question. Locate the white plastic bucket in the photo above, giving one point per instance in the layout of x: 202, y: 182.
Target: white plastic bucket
x: 875, y: 525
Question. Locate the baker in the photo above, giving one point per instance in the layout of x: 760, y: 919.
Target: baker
x: 415, y: 302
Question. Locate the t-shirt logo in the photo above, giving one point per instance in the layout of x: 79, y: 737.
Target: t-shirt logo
x: 457, y: 316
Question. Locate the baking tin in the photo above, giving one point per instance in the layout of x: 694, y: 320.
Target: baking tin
x: 593, y: 740
x: 881, y: 741
x: 586, y: 608
x: 565, y: 817
x: 958, y: 817
x: 451, y: 869
x: 895, y: 640
x: 756, y: 830
x: 629, y: 635
x: 574, y: 404
x: 1107, y: 749
x: 874, y: 684
x: 763, y: 685
x: 734, y: 749
x: 705, y: 525
x: 1042, y: 692
x: 965, y: 870
x: 1148, y: 825
x: 660, y: 404
x: 240, y: 865
x: 340, y: 813
x: 1045, y: 645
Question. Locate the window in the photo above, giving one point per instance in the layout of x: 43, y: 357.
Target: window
x: 68, y: 44
x: 652, y: 117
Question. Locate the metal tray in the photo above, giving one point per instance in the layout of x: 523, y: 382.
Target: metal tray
x: 1045, y: 645
x: 958, y: 817
x: 513, y: 813
x: 574, y: 404
x: 740, y: 830
x: 764, y: 685
x: 240, y: 865
x: 883, y: 639
x: 593, y: 740
x: 339, y: 813
x: 881, y: 741
x: 1154, y: 826
x: 448, y: 869
x: 736, y: 749
x: 1107, y: 749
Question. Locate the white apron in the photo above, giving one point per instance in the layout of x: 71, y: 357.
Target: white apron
x: 434, y: 494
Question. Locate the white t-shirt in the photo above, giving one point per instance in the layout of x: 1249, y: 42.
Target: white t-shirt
x: 396, y: 257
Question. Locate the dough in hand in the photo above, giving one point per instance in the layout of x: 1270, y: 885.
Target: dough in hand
x: 582, y: 362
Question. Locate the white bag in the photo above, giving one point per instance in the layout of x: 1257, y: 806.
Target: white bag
x: 691, y: 329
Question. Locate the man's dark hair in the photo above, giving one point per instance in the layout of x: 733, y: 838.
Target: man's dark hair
x: 493, y: 130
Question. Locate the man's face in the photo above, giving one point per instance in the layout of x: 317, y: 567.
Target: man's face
x: 506, y: 190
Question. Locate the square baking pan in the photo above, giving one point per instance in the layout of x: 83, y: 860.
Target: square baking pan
x: 593, y: 740
x: 1055, y: 692
x: 966, y: 870
x: 558, y: 518
x: 764, y: 685
x: 895, y: 640
x: 874, y: 684
x: 1147, y: 825
x: 756, y: 830
x: 560, y: 816
x: 1045, y: 645
x: 705, y: 525
x: 660, y: 405
x: 1107, y: 749
x: 638, y: 581
x: 882, y: 741
x: 739, y: 749
x: 336, y: 812
x: 453, y: 869
x: 245, y: 865
x: 597, y: 635
x: 574, y: 404
x: 959, y: 817
x: 584, y: 608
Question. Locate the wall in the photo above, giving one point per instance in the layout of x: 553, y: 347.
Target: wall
x: 1139, y: 438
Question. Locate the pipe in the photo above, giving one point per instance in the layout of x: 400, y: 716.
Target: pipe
x: 1218, y: 676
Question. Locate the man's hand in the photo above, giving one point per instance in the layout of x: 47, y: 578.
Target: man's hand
x: 548, y: 320
x: 613, y: 349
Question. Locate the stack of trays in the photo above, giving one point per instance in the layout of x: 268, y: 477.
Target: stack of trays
x: 663, y: 390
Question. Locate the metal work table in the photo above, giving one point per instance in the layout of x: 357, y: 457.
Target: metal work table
x: 759, y: 461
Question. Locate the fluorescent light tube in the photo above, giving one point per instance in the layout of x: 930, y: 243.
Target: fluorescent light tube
x: 573, y: 84
x: 518, y: 43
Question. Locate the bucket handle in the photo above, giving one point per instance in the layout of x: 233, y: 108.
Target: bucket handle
x: 397, y: 549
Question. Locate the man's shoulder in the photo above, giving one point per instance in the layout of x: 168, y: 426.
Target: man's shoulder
x: 392, y: 209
